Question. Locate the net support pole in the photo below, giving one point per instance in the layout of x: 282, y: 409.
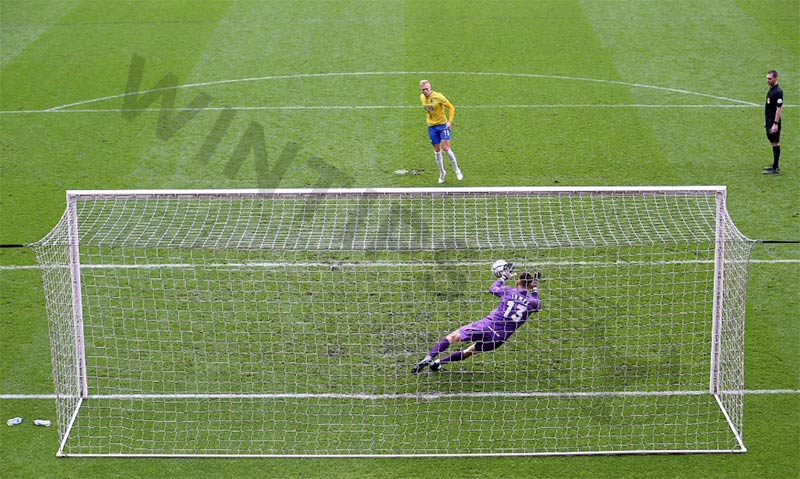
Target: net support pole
x: 719, y: 276
x: 77, y: 304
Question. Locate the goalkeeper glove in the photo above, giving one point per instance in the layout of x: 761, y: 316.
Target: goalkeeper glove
x: 508, y: 271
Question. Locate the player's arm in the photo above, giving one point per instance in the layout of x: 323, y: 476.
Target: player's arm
x: 451, y: 111
x: 503, y: 271
x: 536, y: 305
x: 778, y: 113
x: 498, y: 287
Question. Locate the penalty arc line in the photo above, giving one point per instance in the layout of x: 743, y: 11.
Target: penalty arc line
x: 404, y: 73
x: 369, y: 107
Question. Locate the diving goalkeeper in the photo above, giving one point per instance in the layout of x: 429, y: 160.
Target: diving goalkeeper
x: 516, y: 305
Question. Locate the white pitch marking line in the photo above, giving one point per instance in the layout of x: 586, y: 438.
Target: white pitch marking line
x: 378, y: 264
x: 749, y: 392
x: 359, y: 107
x: 357, y: 74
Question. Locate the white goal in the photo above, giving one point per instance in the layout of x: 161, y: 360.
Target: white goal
x: 286, y: 322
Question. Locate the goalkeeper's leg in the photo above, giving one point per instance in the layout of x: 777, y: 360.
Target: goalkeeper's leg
x: 442, y: 345
x: 483, y: 346
x: 456, y: 356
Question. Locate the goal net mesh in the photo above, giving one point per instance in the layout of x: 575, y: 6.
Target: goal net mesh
x: 286, y: 323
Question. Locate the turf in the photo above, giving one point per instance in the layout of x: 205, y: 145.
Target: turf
x: 548, y: 93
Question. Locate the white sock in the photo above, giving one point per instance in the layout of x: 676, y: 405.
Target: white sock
x: 453, y: 159
x: 439, y: 162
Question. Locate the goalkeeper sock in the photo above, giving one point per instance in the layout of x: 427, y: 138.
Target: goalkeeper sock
x: 456, y: 356
x: 440, y: 346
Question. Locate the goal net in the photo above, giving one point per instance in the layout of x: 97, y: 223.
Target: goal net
x: 286, y: 322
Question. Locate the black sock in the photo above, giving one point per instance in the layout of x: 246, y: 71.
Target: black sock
x: 776, y: 156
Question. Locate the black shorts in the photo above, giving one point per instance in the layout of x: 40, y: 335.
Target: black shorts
x: 774, y: 137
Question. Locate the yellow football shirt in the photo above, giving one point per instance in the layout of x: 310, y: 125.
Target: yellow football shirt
x: 434, y: 106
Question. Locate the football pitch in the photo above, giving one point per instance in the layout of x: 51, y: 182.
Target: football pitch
x: 325, y: 94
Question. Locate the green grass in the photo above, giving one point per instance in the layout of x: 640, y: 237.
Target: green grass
x: 546, y: 53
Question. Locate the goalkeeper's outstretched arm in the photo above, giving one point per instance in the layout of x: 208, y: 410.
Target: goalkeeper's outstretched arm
x: 504, y: 273
x: 498, y: 287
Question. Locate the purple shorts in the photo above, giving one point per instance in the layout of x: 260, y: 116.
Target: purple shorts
x: 485, y: 334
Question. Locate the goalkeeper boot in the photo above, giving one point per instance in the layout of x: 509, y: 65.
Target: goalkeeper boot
x: 436, y: 366
x: 441, y: 177
x: 459, y: 175
x: 421, y: 365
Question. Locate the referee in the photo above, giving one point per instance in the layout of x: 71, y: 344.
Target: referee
x: 773, y: 110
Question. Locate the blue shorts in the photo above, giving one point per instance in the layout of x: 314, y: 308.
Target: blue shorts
x: 437, y: 133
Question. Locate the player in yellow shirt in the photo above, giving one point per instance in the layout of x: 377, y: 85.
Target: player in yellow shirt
x: 434, y: 104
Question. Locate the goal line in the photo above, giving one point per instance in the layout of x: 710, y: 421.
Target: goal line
x: 379, y: 397
x: 377, y: 264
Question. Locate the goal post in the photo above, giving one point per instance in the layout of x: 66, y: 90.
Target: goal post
x: 284, y: 323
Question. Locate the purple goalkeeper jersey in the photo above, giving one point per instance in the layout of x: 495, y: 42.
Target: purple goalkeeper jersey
x: 516, y: 305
